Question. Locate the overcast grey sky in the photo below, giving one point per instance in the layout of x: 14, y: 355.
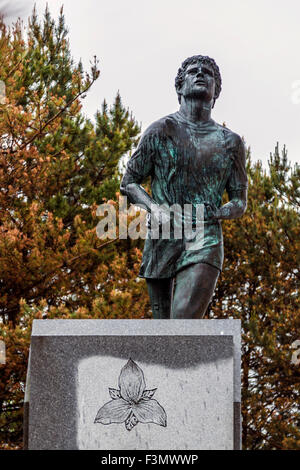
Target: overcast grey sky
x: 141, y: 44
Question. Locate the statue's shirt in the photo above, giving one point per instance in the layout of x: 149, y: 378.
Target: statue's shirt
x: 188, y: 164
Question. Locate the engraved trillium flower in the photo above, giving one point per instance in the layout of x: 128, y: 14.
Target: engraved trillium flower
x: 132, y: 403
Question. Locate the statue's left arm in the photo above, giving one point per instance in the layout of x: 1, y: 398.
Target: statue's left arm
x: 236, y: 186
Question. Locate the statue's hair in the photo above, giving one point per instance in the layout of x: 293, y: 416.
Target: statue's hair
x: 192, y: 60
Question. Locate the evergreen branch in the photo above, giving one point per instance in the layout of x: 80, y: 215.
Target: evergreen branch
x: 57, y: 115
x: 12, y: 71
x: 66, y: 264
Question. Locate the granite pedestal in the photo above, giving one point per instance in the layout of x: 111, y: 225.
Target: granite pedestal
x: 133, y: 384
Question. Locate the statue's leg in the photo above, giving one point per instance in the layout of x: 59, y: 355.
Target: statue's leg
x: 193, y: 290
x: 160, y: 293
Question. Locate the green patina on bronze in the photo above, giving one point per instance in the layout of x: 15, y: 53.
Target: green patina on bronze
x: 188, y: 164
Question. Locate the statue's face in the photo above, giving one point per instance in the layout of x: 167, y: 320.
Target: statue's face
x: 199, y: 82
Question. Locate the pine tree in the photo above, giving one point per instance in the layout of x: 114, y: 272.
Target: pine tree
x: 56, y: 167
x: 260, y: 285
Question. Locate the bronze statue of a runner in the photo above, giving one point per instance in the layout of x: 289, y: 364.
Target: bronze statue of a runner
x: 192, y: 160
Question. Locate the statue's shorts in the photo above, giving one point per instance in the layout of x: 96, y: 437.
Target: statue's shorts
x: 163, y: 258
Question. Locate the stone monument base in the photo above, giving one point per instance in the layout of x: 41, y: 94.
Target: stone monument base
x: 133, y: 385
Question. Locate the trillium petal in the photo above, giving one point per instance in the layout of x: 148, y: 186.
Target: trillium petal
x: 131, y: 382
x: 115, y: 411
x: 130, y: 422
x: 150, y: 411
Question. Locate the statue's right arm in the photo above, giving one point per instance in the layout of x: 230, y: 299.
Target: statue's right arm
x: 139, y: 167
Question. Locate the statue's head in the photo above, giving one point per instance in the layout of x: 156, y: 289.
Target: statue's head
x: 211, y: 74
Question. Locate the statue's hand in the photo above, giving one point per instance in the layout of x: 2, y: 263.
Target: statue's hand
x: 211, y: 212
